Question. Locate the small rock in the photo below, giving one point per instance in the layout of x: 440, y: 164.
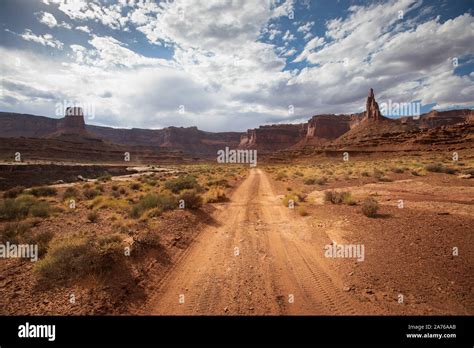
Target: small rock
x: 226, y: 309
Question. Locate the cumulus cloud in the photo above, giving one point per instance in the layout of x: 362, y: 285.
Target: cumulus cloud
x: 45, y: 40
x: 48, y: 19
x: 225, y: 69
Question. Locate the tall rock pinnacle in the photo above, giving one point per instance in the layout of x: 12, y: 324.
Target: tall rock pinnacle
x: 372, y: 111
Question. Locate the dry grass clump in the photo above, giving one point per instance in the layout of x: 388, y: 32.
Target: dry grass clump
x: 79, y: 256
x: 215, y: 195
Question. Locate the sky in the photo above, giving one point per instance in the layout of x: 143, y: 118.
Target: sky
x: 230, y: 65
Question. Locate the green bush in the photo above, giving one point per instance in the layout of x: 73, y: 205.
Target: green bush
x: 370, y: 207
x: 162, y: 202
x: 20, y: 207
x: 186, y: 182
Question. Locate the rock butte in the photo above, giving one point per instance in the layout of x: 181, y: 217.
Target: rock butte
x: 319, y: 130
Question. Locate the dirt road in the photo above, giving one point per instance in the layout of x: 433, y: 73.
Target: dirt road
x: 259, y: 259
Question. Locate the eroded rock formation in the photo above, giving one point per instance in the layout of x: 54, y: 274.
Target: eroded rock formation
x: 274, y: 137
x: 372, y: 112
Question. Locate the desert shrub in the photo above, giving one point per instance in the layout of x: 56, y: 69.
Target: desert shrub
x: 105, y: 178
x: 377, y: 174
x: 469, y: 171
x: 302, y: 211
x: 162, y: 202
x: 336, y: 197
x: 218, y: 182
x: 13, y: 192
x: 114, y: 187
x: 434, y: 167
x: 415, y: 173
x: 448, y: 170
x: 186, y: 182
x: 309, y: 181
x: 20, y: 207
x: 191, y: 198
x: 20, y: 233
x: 70, y: 192
x: 292, y: 197
x: 43, y: 191
x: 215, y: 195
x: 370, y: 207
x: 135, y: 186
x: 439, y: 168
x: 365, y: 173
x: 122, y: 191
x: 90, y: 193
x: 298, y: 173
x: 79, y: 256
x: 40, y: 209
x: 397, y: 170
x: 347, y: 199
x: 93, y: 216
x: 385, y: 179
x: 115, y: 194
x: 13, y: 232
x: 281, y: 176
x: 100, y: 187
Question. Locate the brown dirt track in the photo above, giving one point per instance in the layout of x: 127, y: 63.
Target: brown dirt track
x: 279, y: 257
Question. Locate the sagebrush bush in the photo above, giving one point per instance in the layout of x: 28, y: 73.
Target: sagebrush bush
x: 43, y: 191
x: 186, y: 182
x: 20, y: 233
x: 281, y: 176
x: 90, y: 193
x: 337, y: 197
x: 439, y: 168
x: 20, y: 207
x: 162, y: 202
x: 192, y: 199
x: 215, y: 195
x: 70, y: 192
x: 13, y: 192
x: 290, y: 197
x: 78, y: 256
x: 370, y: 207
x: 93, y: 216
x: 40, y: 209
